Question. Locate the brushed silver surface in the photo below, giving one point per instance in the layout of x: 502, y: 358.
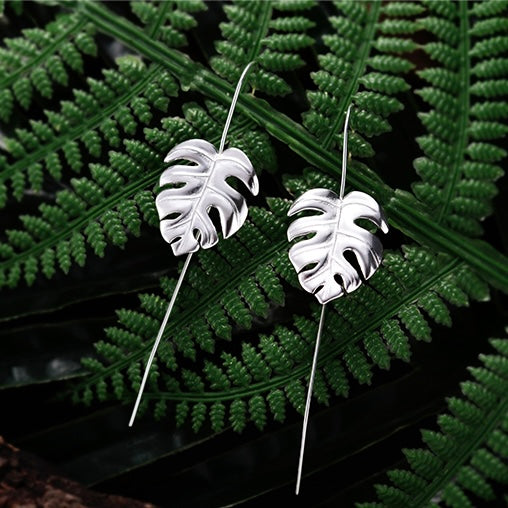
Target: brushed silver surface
x: 319, y: 259
x: 183, y: 209
x: 204, y: 186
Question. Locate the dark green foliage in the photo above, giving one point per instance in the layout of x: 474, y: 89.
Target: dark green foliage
x: 81, y: 209
x: 468, y: 454
x: 124, y: 98
x: 168, y: 20
x: 41, y: 58
x: 466, y: 123
x: 270, y: 33
x: 352, y: 72
x: 111, y: 109
x: 80, y: 158
x: 273, y: 371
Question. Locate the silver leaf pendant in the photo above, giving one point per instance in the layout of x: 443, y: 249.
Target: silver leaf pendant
x: 188, y: 192
x: 204, y: 187
x: 319, y: 261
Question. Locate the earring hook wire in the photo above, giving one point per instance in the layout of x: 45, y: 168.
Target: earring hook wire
x: 321, y: 322
x: 186, y: 263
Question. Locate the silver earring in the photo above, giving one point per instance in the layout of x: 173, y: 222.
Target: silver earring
x: 319, y: 261
x: 183, y: 210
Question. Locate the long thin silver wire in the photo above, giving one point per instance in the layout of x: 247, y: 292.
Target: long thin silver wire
x: 232, y: 107
x: 187, y: 260
x: 309, y: 397
x: 159, y: 337
x: 344, y: 155
x: 321, y: 322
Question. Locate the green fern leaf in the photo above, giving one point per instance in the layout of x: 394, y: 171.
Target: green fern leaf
x: 85, y: 170
x: 33, y: 61
x: 252, y: 33
x: 130, y: 205
x: 462, y: 78
x: 469, y: 451
x: 346, y: 75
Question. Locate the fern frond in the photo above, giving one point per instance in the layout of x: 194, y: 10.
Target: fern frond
x: 123, y: 100
x: 96, y: 119
x: 112, y: 204
x: 352, y: 71
x: 168, y: 20
x: 468, y: 453
x: 96, y: 158
x: 41, y: 58
x: 254, y: 31
x: 466, y: 92
x: 411, y: 289
x: 412, y: 219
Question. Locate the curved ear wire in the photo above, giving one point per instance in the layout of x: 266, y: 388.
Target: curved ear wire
x: 345, y: 154
x: 320, y: 261
x: 233, y: 105
x: 204, y: 187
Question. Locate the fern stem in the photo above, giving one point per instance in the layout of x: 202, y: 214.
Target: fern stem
x: 309, y: 397
x: 157, y: 23
x: 405, y: 212
x: 359, y: 69
x: 463, y: 100
x: 261, y: 31
x: 159, y: 336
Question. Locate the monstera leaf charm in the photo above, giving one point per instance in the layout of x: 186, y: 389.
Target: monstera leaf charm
x: 322, y: 268
x: 188, y: 193
x: 319, y: 259
x: 183, y: 209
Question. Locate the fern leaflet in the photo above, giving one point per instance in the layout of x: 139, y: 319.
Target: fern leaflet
x: 271, y: 370
x: 469, y: 451
x: 468, y: 116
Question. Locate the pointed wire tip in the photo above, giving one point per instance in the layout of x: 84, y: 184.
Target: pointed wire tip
x: 133, y: 416
x: 309, y: 397
x: 298, y: 482
x: 159, y: 337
